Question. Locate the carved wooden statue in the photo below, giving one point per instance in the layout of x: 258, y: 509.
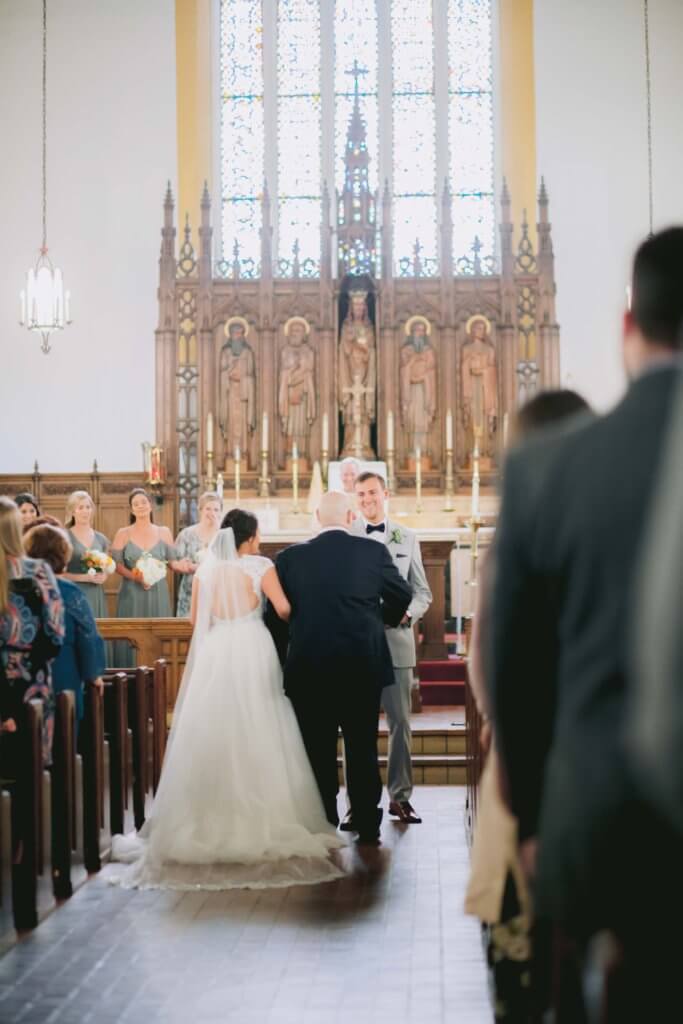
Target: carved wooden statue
x: 357, y: 376
x: 479, y: 384
x: 418, y: 375
x: 237, y: 383
x: 296, y: 386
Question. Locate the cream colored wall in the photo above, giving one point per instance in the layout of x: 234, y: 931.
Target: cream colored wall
x: 111, y: 149
x: 591, y: 147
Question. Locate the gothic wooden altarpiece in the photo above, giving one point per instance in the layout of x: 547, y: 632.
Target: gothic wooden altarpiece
x: 331, y: 353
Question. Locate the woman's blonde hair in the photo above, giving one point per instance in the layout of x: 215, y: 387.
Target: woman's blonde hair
x: 10, y: 546
x: 74, y: 498
x: 206, y: 497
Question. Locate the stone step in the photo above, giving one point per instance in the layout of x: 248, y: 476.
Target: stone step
x: 427, y: 741
x: 428, y: 769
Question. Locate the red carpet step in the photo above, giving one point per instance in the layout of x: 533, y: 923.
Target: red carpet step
x: 442, y: 682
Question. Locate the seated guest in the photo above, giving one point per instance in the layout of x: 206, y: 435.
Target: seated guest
x: 28, y: 509
x: 79, y: 515
x: 143, y: 551
x: 497, y: 892
x: 31, y: 631
x: 81, y: 658
x: 191, y: 544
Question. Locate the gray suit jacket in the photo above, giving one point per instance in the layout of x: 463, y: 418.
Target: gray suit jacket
x: 404, y: 548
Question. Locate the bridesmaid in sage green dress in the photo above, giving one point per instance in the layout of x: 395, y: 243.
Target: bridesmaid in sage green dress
x: 137, y: 599
x: 79, y: 514
x: 191, y: 544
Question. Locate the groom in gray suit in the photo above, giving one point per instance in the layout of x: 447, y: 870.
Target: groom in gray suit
x: 404, y: 547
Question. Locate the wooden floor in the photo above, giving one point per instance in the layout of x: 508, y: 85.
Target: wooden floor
x: 388, y: 944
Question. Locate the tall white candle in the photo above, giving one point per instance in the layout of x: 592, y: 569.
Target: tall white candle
x: 264, y: 432
x: 505, y: 430
x: 475, y: 480
x: 390, y: 431
x: 449, y: 430
x: 209, y: 432
x: 326, y: 433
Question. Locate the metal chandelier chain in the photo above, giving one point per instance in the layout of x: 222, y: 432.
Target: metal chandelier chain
x: 648, y: 83
x: 44, y: 124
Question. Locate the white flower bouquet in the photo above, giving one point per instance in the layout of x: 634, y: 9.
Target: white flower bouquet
x: 149, y: 570
x: 98, y: 561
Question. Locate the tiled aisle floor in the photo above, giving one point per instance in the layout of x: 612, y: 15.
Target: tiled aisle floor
x: 388, y: 944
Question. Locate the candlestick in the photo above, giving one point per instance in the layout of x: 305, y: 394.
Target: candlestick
x: 505, y: 430
x: 295, y: 478
x: 449, y: 430
x: 264, y: 479
x: 390, y: 431
x: 209, y: 433
x: 238, y: 458
x: 475, y: 478
x: 326, y: 433
x: 264, y: 432
x: 209, y: 471
x: 418, y: 479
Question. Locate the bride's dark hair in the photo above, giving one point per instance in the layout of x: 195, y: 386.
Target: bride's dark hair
x: 243, y: 524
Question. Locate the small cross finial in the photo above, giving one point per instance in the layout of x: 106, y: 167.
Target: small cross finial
x: 357, y: 72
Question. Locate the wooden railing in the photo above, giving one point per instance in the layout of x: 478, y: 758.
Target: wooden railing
x: 153, y: 639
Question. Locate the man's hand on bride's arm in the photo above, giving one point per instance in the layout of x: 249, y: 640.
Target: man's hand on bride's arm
x: 272, y: 588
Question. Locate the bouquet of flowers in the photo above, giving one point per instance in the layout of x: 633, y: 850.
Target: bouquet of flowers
x: 149, y: 569
x: 98, y: 561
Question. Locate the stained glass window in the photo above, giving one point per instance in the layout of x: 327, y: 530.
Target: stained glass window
x: 470, y: 116
x: 242, y: 136
x: 414, y: 146
x: 417, y: 84
x: 299, y: 126
x: 355, y: 40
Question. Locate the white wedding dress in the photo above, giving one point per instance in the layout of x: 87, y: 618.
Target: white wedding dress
x: 237, y: 804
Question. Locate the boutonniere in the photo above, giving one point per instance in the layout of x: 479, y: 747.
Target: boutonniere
x: 396, y: 537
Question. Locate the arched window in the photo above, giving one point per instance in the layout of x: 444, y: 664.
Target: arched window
x: 424, y: 74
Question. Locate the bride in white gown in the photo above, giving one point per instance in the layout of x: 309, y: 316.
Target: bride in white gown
x: 237, y: 804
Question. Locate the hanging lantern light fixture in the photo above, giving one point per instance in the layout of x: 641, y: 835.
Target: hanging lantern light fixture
x: 44, y: 303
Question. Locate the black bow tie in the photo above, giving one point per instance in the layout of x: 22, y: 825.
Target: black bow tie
x: 380, y: 528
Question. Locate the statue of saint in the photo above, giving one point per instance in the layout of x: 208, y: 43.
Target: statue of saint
x: 296, y: 387
x: 357, y: 376
x: 417, y: 374
x: 237, y: 383
x: 479, y: 383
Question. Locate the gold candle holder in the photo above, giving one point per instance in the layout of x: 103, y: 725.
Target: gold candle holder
x: 295, y: 480
x: 391, y: 471
x: 264, y: 479
x: 238, y: 466
x: 324, y: 464
x: 450, y: 482
x: 210, y: 480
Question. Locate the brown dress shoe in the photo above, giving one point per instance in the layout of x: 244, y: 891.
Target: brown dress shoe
x: 402, y: 810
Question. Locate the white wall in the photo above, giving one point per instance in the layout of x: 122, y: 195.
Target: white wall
x: 591, y: 147
x: 111, y: 149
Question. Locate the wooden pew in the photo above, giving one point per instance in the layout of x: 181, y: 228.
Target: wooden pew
x: 63, y: 794
x: 96, y: 775
x: 7, y: 933
x: 157, y: 696
x: 32, y: 890
x: 120, y: 740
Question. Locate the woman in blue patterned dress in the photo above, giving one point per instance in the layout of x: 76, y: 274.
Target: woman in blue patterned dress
x: 192, y: 544
x: 31, y: 632
x: 81, y: 659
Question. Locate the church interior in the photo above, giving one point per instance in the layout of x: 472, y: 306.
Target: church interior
x: 276, y: 246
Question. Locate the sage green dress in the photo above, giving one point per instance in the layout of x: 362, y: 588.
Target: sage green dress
x: 134, y: 602
x: 188, y: 545
x: 93, y: 592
